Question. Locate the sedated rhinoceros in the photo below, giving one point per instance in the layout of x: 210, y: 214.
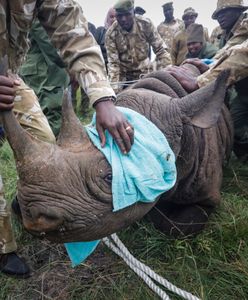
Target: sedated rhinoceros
x: 64, y: 190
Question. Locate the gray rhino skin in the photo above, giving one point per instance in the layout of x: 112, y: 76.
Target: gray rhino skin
x: 64, y: 190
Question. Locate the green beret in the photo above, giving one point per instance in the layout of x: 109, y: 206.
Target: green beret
x: 168, y: 5
x: 124, y: 5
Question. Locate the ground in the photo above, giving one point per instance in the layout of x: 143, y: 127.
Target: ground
x: 214, y: 265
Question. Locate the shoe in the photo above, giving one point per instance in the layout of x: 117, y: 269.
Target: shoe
x: 12, y: 265
x: 16, y: 208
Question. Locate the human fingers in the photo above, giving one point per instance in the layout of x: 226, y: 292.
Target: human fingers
x: 101, y: 134
x: 130, y: 131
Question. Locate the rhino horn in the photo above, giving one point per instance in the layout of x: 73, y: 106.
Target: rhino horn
x: 72, y: 135
x: 203, y: 106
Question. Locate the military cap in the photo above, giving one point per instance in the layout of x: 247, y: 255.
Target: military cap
x: 223, y: 4
x: 139, y: 10
x: 124, y: 5
x: 195, y: 33
x: 168, y: 5
x: 189, y: 12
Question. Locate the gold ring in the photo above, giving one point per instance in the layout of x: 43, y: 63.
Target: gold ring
x: 128, y: 127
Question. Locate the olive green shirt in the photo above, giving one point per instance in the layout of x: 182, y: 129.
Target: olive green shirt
x: 67, y: 28
x: 233, y: 56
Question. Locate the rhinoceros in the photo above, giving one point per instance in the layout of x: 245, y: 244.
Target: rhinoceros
x: 64, y: 189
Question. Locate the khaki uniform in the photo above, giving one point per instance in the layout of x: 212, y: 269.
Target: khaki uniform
x: 179, y: 46
x: 167, y: 30
x: 128, y: 52
x: 68, y: 31
x: 234, y: 56
x: 215, y: 36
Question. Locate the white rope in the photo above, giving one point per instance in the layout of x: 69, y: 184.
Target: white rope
x: 145, y: 272
x: 123, y: 83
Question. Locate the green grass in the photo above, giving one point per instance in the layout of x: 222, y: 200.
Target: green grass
x: 213, y: 266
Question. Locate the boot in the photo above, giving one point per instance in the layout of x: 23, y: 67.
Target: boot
x: 16, y: 208
x: 11, y: 264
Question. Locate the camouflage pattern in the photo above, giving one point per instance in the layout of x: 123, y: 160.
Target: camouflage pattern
x: 233, y: 56
x: 7, y: 240
x: 179, y: 46
x: 124, y: 5
x: 167, y: 30
x: 215, y: 36
x: 128, y: 52
x: 31, y: 117
x: 68, y: 30
x: 223, y: 4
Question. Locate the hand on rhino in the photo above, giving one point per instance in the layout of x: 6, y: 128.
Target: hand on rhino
x: 7, y: 92
x: 108, y: 117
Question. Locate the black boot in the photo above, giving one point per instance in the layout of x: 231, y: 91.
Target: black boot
x: 16, y: 208
x: 11, y: 264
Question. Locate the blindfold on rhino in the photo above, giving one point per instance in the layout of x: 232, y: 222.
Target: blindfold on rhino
x: 64, y: 189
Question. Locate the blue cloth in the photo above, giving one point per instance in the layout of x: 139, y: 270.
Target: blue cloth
x: 142, y: 175
x: 207, y: 61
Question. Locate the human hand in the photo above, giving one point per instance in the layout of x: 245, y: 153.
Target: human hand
x: 201, y: 66
x: 187, y: 80
x: 7, y: 92
x: 108, y: 117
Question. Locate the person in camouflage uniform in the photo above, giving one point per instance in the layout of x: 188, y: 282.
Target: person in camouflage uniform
x: 234, y: 56
x: 170, y: 26
x: 128, y: 41
x: 67, y: 28
x: 45, y: 73
x: 196, y: 44
x: 179, y: 42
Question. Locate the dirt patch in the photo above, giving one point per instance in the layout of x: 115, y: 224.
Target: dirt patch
x: 53, y: 276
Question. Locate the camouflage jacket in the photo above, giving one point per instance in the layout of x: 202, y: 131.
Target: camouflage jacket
x: 167, y: 30
x: 129, y: 51
x: 179, y: 46
x: 215, y: 36
x: 233, y: 56
x: 68, y: 31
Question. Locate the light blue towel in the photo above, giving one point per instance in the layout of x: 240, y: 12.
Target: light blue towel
x: 142, y: 175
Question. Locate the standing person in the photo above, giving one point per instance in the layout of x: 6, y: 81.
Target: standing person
x: 179, y: 45
x: 170, y: 26
x: 128, y: 41
x: 196, y: 44
x: 44, y: 71
x: 68, y: 31
x: 234, y: 56
x: 101, y: 32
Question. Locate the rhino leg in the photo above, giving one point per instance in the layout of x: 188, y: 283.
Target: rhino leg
x: 180, y: 221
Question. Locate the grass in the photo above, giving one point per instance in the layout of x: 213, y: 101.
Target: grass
x: 212, y: 266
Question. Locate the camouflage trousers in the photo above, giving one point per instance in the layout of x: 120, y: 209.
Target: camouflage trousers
x: 32, y: 119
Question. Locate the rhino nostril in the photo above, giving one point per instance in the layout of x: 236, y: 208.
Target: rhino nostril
x: 42, y: 221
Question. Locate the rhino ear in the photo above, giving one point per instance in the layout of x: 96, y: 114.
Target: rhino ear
x: 203, y: 106
x: 72, y: 135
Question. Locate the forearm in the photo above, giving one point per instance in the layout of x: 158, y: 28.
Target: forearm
x: 67, y: 28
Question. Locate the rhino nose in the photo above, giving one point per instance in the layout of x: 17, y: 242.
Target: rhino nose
x: 34, y: 220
